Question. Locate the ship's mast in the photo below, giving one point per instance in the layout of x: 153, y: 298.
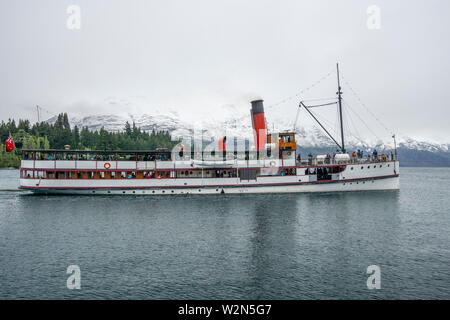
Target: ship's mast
x: 339, y: 92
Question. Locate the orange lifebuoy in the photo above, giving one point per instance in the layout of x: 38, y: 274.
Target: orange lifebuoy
x: 107, y: 165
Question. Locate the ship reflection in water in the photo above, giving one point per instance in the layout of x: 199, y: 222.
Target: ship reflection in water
x: 277, y: 246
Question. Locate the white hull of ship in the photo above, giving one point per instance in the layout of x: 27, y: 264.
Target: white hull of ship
x: 355, y: 177
x: 382, y: 183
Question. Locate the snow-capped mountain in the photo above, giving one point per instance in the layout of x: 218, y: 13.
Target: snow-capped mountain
x: 231, y: 122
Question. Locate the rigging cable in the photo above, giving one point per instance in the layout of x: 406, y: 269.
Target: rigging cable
x: 362, y: 121
x: 362, y: 103
x: 302, y: 91
x: 321, y: 105
x: 352, y: 123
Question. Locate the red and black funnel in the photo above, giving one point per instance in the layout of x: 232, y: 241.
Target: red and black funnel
x: 259, y: 124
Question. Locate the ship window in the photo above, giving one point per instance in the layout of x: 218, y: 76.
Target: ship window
x: 162, y: 156
x: 71, y: 156
x: 60, y: 156
x: 362, y: 168
x: 368, y: 167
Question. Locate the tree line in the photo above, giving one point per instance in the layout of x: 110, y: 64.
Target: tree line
x: 44, y: 135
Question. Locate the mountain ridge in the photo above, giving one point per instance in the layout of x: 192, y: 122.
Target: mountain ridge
x: 413, y: 152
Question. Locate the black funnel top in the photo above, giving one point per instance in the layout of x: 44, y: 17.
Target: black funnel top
x: 257, y: 106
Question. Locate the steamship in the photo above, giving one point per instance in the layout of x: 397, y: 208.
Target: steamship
x: 272, y: 166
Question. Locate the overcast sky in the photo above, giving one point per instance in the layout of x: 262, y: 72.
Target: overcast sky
x: 195, y: 56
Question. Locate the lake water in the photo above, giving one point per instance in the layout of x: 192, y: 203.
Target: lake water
x: 286, y: 246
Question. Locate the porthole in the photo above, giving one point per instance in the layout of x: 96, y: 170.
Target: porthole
x: 93, y: 191
x: 134, y: 191
x: 199, y: 190
x: 123, y: 191
x: 351, y: 168
x: 362, y: 168
x: 143, y: 191
x: 153, y: 191
x: 109, y: 191
x: 172, y: 191
x: 389, y: 165
x: 374, y: 167
x: 368, y: 167
x: 164, y: 191
x: 381, y: 165
x: 217, y: 189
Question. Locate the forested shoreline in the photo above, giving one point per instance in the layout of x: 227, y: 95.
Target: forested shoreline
x: 44, y: 135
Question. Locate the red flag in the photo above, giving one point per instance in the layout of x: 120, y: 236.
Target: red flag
x: 9, y: 144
